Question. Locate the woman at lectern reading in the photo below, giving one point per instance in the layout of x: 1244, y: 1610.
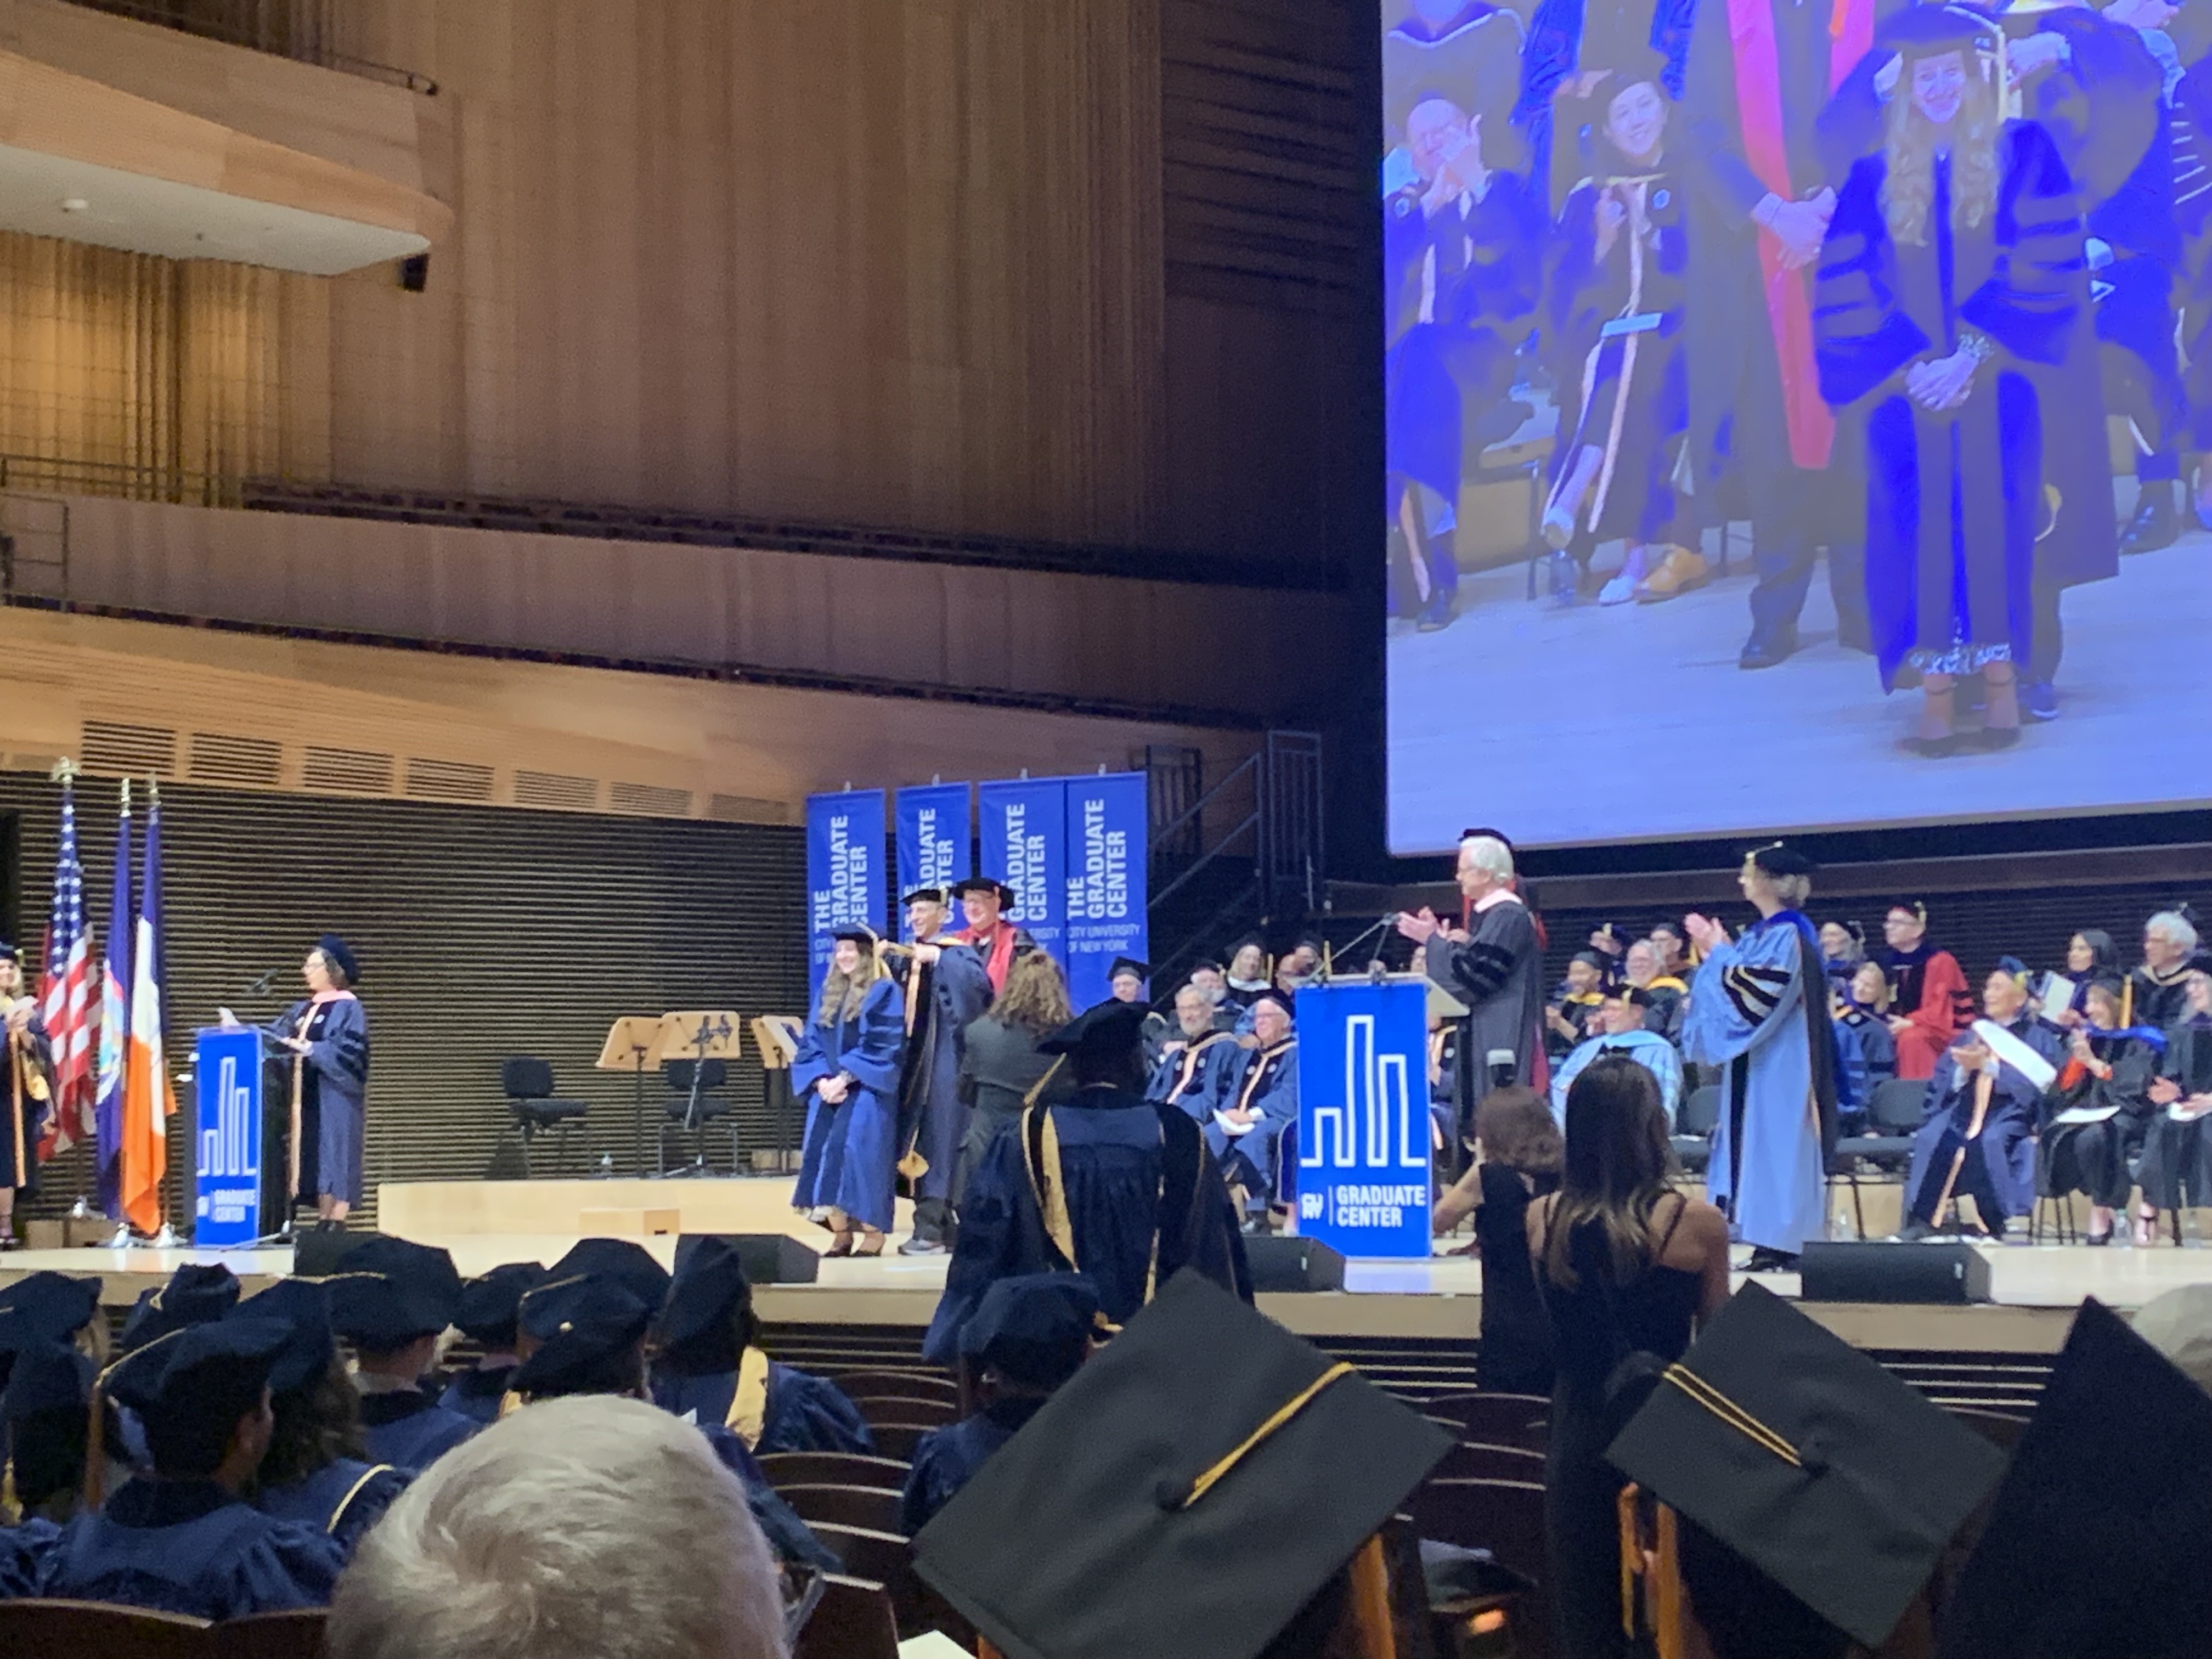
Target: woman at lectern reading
x: 327, y: 1034
x: 847, y: 1071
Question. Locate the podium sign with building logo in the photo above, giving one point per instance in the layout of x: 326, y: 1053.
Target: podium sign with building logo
x: 1363, y: 1148
x: 227, y: 1074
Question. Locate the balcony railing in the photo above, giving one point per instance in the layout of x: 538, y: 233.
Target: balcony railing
x: 298, y: 29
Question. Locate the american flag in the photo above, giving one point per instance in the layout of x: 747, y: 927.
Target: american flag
x: 69, y: 1018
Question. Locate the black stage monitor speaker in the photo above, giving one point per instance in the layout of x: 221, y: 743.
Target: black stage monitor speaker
x: 769, y: 1258
x: 315, y: 1255
x: 1293, y: 1264
x: 1850, y: 1271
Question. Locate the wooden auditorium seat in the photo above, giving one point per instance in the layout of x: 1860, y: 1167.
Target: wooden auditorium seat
x: 875, y: 1508
x: 880, y: 1557
x: 897, y: 1385
x: 35, y: 1628
x: 1475, y: 1460
x: 1505, y: 1517
x: 832, y: 1470
x: 897, y: 1408
x: 898, y: 1440
x: 853, y: 1620
x: 296, y: 1633
x: 1495, y: 1419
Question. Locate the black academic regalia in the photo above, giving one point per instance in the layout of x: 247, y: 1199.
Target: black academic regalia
x: 1565, y: 36
x: 26, y: 1087
x: 804, y: 1412
x: 2176, y: 1161
x: 1499, y: 972
x: 2158, y: 1001
x: 189, y: 1546
x: 939, y: 1003
x: 1139, y: 1197
x: 2098, y: 1159
x: 476, y: 1393
x: 947, y: 1459
x: 408, y: 1429
x: 344, y: 1499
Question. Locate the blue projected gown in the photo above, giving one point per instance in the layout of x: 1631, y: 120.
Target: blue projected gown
x: 1758, y: 1010
x: 344, y: 1499
x: 1265, y: 1081
x: 408, y: 1429
x: 849, y: 1162
x: 801, y: 1413
x: 189, y: 1546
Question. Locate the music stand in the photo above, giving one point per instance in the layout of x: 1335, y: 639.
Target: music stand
x: 698, y: 1035
x: 633, y: 1045
x: 776, y: 1037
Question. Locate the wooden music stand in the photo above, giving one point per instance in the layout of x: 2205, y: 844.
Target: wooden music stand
x: 633, y: 1045
x: 776, y: 1037
x: 697, y: 1035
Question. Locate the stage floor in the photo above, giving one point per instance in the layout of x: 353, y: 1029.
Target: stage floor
x: 2036, y: 1287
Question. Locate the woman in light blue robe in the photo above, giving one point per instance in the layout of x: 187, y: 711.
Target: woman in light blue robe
x: 1758, y: 1010
x: 847, y: 1071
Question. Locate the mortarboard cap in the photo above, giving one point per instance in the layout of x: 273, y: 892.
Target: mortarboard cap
x: 390, y: 1291
x: 1918, y: 31
x: 1100, y: 1033
x: 1034, y: 1329
x: 212, y: 1373
x: 1634, y: 995
x: 46, y: 1307
x: 1590, y: 959
x: 580, y: 1325
x: 491, y: 1301
x: 1129, y: 965
x: 1779, y: 858
x: 860, y: 933
x: 924, y: 895
x: 47, y: 1377
x: 1837, y: 1480
x: 1185, y: 1493
x: 302, y: 1307
x: 709, y: 1287
x: 633, y: 1265
x: 2093, y: 1546
x: 1284, y: 1000
x: 985, y: 884
x: 196, y: 1293
x: 339, y: 954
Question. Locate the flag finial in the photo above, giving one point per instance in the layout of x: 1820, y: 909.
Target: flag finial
x: 153, y: 790
x: 64, y: 770
x: 126, y: 794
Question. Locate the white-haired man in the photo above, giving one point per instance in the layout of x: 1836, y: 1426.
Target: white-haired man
x: 585, y: 1528
x: 1496, y: 967
x: 2160, y: 988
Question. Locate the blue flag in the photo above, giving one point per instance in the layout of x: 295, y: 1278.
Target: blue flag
x: 1024, y: 845
x: 934, y: 837
x: 1106, y: 886
x: 844, y: 866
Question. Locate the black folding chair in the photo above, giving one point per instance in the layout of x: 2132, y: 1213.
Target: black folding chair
x: 1895, y: 1114
x: 527, y: 1082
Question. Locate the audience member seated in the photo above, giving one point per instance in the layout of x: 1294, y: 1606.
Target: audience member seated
x: 1644, y: 967
x: 2091, y: 954
x: 486, y: 1316
x: 315, y: 1473
x: 539, y: 1540
x: 392, y: 1299
x: 1865, y: 1050
x: 1927, y: 989
x: 712, y: 1368
x: 195, y: 1294
x: 1027, y: 1336
x: 2158, y: 991
x: 1843, y: 948
x: 1211, y: 978
x: 2094, y: 1119
x: 1255, y: 1099
x: 1675, y: 962
x: 2176, y: 1165
x: 586, y: 1335
x: 1521, y: 1152
x: 1979, y: 1138
x: 1573, y: 1003
x: 628, y: 1263
x: 51, y: 1307
x: 1621, y: 1030
x: 44, y: 1427
x: 1248, y: 973
x: 183, y: 1539
x: 1184, y: 1076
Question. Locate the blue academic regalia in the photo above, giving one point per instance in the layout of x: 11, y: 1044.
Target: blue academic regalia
x: 947, y: 1459
x: 475, y: 1394
x: 343, y: 1499
x: 1866, y: 1055
x: 787, y: 1535
x: 1758, y: 1010
x: 25, y: 1077
x: 408, y: 1429
x: 852, y: 1148
x: 1998, y: 1170
x: 1265, y: 1081
x: 1953, y: 497
x: 932, y: 1119
x: 1188, y: 1077
x: 1141, y: 1199
x: 804, y: 1412
x: 333, y: 1092
x: 23, y: 1551
x: 189, y: 1546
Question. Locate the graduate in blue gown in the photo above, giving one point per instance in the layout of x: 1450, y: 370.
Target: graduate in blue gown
x: 392, y: 1299
x: 1028, y: 1336
x: 322, y: 1041
x: 316, y: 1472
x: 1187, y: 1075
x: 1979, y: 1139
x: 45, y: 1426
x: 1950, y: 290
x: 847, y: 1071
x: 712, y: 1368
x: 1106, y: 1184
x: 1254, y: 1104
x: 943, y: 986
x: 489, y: 1305
x: 183, y: 1539
x: 1758, y: 1009
x: 586, y: 1335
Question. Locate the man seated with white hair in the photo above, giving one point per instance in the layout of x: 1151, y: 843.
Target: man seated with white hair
x: 585, y: 1528
x: 2158, y: 990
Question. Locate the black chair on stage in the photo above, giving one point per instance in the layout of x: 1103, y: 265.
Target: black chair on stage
x: 1694, y: 1122
x: 1893, y: 1116
x: 690, y: 1111
x: 527, y: 1082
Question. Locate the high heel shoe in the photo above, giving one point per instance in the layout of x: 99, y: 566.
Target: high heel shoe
x: 2096, y: 1241
x: 875, y: 1245
x: 840, y: 1244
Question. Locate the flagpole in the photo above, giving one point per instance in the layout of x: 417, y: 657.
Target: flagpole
x: 167, y: 1237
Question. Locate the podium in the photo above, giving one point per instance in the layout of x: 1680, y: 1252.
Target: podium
x: 228, y: 1201
x: 633, y: 1045
x: 1364, y: 1163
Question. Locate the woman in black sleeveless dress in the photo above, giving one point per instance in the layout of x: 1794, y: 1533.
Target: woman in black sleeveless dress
x: 1627, y: 1266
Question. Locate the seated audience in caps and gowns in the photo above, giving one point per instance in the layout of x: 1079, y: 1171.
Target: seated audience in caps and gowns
x: 1866, y: 1052
x: 392, y: 1299
x: 2158, y: 991
x: 314, y: 1472
x: 1929, y: 1002
x: 489, y: 1305
x: 194, y: 1295
x: 1255, y: 1105
x: 1027, y: 1336
x: 1109, y: 1185
x: 46, y: 1439
x: 2177, y: 1163
x: 1184, y: 1074
x: 2095, y: 1120
x: 183, y: 1539
x: 712, y: 1368
x: 587, y: 1335
x: 1621, y: 1030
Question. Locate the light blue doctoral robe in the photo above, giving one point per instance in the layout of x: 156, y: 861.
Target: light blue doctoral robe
x: 1758, y: 1010
x: 1647, y: 1048
x: 851, y: 1154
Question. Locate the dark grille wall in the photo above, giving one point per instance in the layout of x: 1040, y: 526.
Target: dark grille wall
x: 482, y: 933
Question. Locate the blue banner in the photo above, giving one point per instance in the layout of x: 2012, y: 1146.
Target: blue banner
x: 1106, y: 888
x: 935, y: 839
x: 844, y: 866
x: 226, y: 1072
x: 1363, y: 1169
x: 1024, y: 845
